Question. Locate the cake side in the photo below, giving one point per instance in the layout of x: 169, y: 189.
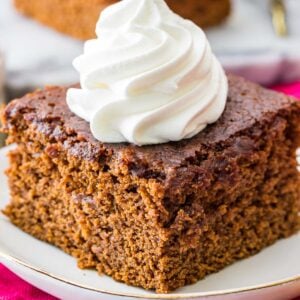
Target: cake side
x: 78, y: 17
x: 158, y: 216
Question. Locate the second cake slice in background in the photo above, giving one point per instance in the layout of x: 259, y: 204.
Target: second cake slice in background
x: 78, y: 17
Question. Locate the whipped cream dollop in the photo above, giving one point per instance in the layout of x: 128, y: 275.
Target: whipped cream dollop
x: 150, y: 76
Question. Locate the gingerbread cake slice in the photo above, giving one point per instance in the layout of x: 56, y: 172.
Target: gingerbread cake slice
x: 78, y: 18
x: 159, y: 216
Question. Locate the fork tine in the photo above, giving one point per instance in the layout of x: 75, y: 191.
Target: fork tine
x: 279, y: 17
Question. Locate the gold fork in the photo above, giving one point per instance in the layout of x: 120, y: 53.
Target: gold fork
x: 279, y: 17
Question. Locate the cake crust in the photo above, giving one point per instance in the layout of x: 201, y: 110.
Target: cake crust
x: 158, y: 216
x: 247, y: 104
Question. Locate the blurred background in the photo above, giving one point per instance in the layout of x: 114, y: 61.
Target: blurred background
x: 259, y: 40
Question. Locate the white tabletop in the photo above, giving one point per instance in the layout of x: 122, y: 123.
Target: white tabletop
x: 247, y: 44
x: 34, y: 54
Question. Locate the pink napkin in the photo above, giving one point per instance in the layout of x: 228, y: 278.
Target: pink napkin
x: 14, y: 288
x: 290, y: 89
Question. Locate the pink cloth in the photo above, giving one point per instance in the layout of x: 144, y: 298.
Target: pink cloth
x: 290, y: 89
x: 14, y: 288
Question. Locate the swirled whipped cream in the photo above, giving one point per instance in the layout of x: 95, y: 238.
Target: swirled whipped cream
x: 150, y: 76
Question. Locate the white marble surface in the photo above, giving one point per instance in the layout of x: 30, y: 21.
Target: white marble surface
x: 36, y: 55
x: 248, y: 45
x: 2, y: 79
x: 2, y: 98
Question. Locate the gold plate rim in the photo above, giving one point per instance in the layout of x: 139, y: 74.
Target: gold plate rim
x: 152, y: 296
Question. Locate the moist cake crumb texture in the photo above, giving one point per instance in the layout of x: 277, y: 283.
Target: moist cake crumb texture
x: 160, y: 216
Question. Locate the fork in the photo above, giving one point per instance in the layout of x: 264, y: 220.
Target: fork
x: 279, y: 17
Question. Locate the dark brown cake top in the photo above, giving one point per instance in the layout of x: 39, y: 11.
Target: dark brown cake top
x: 247, y: 104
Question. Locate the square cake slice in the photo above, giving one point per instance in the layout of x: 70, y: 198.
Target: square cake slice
x: 159, y: 216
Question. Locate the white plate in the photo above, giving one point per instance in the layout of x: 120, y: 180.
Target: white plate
x: 272, y: 274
